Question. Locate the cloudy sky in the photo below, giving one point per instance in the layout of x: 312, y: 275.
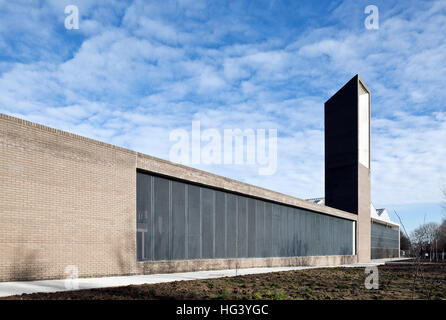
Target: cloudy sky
x: 136, y: 70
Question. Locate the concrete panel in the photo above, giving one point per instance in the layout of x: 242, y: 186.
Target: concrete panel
x: 260, y: 229
x: 268, y: 251
x: 220, y: 225
x: 364, y: 219
x: 144, y: 219
x: 219, y: 264
x: 276, y: 230
x: 252, y: 224
x: 290, y: 232
x: 194, y: 222
x: 232, y: 227
x: 282, y: 231
x: 207, y: 224
x: 178, y: 220
x: 161, y: 215
x: 242, y: 235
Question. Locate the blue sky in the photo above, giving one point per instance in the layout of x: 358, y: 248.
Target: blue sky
x: 136, y: 70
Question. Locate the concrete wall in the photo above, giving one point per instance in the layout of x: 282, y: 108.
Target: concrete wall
x: 68, y: 200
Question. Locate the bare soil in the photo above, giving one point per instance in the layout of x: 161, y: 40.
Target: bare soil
x: 395, y: 282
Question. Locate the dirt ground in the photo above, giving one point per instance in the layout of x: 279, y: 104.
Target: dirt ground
x: 395, y: 282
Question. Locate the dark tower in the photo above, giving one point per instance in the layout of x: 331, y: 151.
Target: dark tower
x: 347, y: 157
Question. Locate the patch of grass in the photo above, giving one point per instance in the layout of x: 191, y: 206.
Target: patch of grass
x: 279, y: 295
x: 225, y: 294
x: 343, y: 286
x: 257, y: 296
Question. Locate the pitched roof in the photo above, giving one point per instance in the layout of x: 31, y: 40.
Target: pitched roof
x: 377, y: 214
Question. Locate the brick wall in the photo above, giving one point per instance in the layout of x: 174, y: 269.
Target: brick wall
x: 64, y: 200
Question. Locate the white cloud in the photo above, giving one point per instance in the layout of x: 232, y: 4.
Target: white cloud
x: 143, y: 70
x: 408, y: 155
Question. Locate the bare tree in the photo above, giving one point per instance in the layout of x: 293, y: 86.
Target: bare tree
x: 442, y: 236
x: 404, y: 229
x: 425, y: 234
x: 442, y: 228
x: 444, y: 201
x: 416, y: 251
x: 404, y: 242
x: 424, y: 237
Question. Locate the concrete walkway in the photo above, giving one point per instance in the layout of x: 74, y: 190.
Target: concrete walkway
x: 20, y: 287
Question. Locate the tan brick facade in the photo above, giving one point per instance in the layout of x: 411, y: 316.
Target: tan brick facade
x: 62, y: 204
x: 68, y: 200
